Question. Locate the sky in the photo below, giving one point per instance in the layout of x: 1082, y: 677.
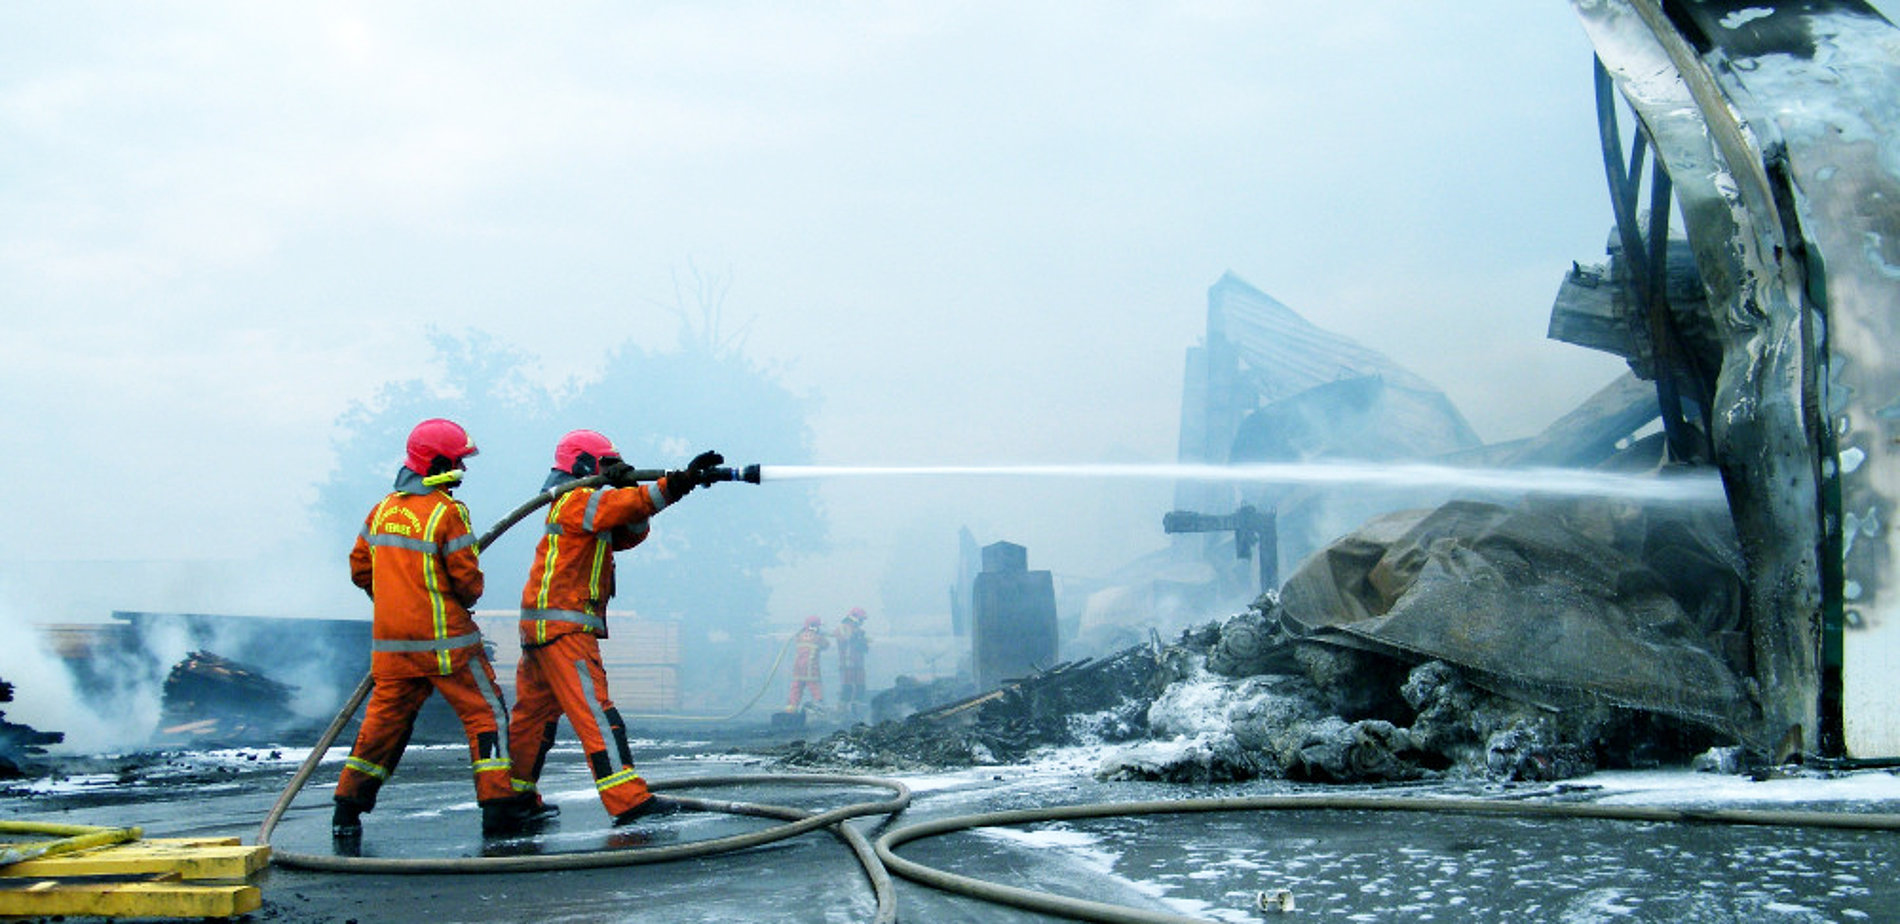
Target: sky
x: 975, y: 233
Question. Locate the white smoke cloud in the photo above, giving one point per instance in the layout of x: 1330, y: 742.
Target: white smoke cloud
x: 47, y: 697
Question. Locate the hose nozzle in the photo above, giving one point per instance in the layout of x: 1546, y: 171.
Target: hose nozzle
x: 748, y: 474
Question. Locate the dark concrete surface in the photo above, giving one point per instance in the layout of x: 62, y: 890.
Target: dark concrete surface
x: 1349, y: 866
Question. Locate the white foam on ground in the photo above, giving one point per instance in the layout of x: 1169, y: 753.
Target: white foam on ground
x: 712, y: 758
x: 65, y: 785
x: 1677, y: 787
x: 1085, y: 850
x: 956, y: 779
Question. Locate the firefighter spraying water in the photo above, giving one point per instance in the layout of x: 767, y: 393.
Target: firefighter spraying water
x: 564, y: 617
x: 418, y: 559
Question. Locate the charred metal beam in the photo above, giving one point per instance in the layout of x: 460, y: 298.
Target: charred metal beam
x: 1770, y: 120
x: 1256, y: 535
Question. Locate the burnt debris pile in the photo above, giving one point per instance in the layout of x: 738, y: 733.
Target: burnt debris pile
x: 1469, y: 640
x: 21, y: 745
x: 209, y: 699
x: 1472, y: 640
x: 1095, y: 700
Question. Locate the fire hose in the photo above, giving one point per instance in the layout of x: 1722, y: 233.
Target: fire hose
x: 795, y: 821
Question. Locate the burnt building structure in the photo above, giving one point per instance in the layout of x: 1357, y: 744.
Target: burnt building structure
x: 1752, y: 283
x: 1766, y: 327
x: 1014, y: 616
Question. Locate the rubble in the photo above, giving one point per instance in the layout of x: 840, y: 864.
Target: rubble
x: 1467, y: 641
x: 20, y: 745
x: 908, y: 696
x: 1531, y: 607
x: 1105, y: 699
x: 211, y: 699
x: 1171, y: 718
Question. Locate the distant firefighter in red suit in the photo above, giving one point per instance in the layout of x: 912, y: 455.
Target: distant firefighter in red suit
x: 807, y: 676
x: 852, y: 643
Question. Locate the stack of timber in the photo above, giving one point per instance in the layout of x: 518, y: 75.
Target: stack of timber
x: 208, y: 697
x: 48, y: 869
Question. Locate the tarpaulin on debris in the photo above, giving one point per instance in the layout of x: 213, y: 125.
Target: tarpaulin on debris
x: 1538, y: 610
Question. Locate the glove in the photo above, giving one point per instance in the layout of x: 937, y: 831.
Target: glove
x: 681, y: 482
x: 619, y: 474
x: 677, y: 484
x: 702, y: 465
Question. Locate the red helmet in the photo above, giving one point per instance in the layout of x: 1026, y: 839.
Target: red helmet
x: 812, y: 622
x: 435, y: 439
x: 856, y: 614
x: 578, y: 443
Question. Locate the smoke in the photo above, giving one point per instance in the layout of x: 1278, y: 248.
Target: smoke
x: 101, y: 682
x: 49, y: 698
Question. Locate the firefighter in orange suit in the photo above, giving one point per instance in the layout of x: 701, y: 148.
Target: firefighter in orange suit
x: 417, y: 559
x: 807, y: 676
x: 564, y: 617
x: 852, y: 643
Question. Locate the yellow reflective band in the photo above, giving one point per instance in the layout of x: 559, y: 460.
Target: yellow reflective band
x: 375, y: 526
x: 435, y: 585
x: 474, y: 542
x: 552, y: 555
x: 363, y: 766
x: 601, y: 551
x: 449, y: 477
x: 493, y: 763
x: 521, y: 785
x: 617, y: 779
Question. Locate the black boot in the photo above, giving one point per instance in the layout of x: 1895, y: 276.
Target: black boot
x: 516, y: 816
x: 653, y: 807
x: 503, y: 817
x: 540, y: 813
x: 347, y: 821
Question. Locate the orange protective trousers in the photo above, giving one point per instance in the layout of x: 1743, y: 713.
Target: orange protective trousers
x: 565, y: 677
x: 391, y: 717
x: 801, y: 687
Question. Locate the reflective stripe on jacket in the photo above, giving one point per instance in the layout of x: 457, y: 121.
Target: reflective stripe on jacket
x: 805, y: 665
x: 416, y: 557
x: 572, y: 577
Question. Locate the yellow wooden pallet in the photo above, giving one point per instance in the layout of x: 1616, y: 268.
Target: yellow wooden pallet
x: 155, y: 878
x: 152, y: 896
x: 190, y: 858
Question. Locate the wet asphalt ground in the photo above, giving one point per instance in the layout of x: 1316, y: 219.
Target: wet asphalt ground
x: 1344, y: 866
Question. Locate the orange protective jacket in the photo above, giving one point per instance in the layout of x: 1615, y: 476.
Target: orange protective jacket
x: 416, y: 558
x: 573, y: 573
x: 805, y: 665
